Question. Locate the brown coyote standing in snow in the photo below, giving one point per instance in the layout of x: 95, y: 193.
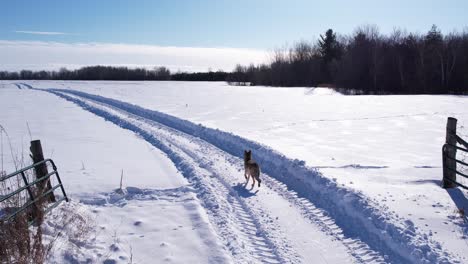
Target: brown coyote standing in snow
x: 252, y: 169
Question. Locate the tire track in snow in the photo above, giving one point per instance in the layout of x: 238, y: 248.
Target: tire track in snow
x: 327, y: 224
x: 196, y: 150
x: 255, y: 239
x: 228, y: 212
x: 394, y: 237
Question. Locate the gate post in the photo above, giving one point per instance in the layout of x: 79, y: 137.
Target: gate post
x: 449, y: 154
x: 41, y: 170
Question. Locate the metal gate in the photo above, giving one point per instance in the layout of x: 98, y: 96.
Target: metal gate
x: 37, y: 190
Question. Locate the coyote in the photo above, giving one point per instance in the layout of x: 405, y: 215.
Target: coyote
x: 251, y: 168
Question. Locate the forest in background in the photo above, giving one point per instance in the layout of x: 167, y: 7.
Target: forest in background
x: 111, y: 73
x: 368, y: 62
x: 365, y: 62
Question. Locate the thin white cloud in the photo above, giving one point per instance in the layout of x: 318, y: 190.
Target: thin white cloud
x: 40, y: 32
x: 35, y: 55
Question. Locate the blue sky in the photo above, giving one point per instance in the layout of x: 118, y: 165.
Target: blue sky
x: 203, y: 23
x: 255, y: 24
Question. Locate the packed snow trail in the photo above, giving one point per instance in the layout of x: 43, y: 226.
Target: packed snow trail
x: 394, y: 238
x: 254, y: 224
x: 247, y: 221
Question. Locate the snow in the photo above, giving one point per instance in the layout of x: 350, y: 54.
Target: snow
x: 162, y: 225
x: 199, y: 168
x: 349, y: 178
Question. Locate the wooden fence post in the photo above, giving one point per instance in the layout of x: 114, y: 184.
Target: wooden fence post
x: 450, y: 154
x: 41, y: 170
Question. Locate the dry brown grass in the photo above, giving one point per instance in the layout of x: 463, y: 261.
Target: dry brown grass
x: 18, y: 242
x: 23, y: 243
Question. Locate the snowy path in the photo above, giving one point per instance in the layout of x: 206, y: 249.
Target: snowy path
x: 275, y: 224
x: 268, y: 224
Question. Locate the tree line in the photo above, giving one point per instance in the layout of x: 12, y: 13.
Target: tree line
x: 114, y: 74
x: 368, y: 62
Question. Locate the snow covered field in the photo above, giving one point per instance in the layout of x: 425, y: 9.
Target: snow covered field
x: 346, y: 178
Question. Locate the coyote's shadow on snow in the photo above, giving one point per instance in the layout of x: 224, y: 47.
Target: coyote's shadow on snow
x: 243, y: 191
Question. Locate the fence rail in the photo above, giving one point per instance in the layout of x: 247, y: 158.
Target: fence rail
x: 445, y: 156
x: 37, y: 190
x: 449, y: 156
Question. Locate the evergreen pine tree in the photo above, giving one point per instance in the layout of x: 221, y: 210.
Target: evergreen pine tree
x: 328, y: 46
x: 329, y: 50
